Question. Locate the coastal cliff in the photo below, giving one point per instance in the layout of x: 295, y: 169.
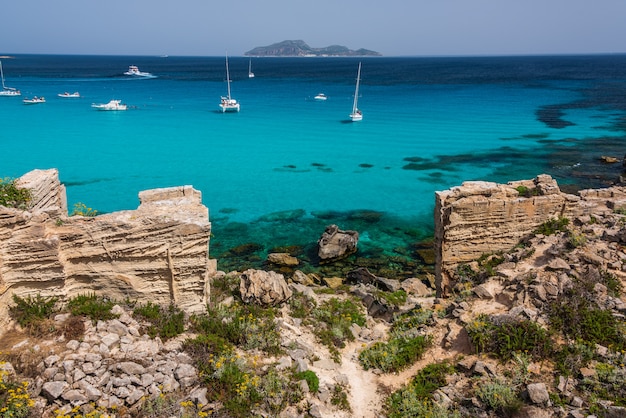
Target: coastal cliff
x: 479, y: 218
x: 534, y: 325
x: 158, y: 252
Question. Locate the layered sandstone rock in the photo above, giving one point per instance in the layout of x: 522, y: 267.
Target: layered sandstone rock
x: 158, y: 252
x: 479, y: 218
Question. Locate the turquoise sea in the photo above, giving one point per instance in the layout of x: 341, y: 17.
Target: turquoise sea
x: 286, y: 166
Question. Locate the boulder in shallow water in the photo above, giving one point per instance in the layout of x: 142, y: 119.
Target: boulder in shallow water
x: 336, y: 244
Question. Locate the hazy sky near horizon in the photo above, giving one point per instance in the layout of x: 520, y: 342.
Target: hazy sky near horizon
x: 391, y: 27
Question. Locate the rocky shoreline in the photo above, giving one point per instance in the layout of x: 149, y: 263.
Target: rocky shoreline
x: 520, y: 274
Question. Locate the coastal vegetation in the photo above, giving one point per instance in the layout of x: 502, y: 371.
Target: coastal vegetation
x: 12, y: 196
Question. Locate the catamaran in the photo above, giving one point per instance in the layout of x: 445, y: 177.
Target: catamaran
x: 7, y: 91
x: 228, y: 104
x: 356, y: 114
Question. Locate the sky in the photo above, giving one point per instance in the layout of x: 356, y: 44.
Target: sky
x: 391, y: 27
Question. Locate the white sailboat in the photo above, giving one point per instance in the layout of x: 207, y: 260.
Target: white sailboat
x: 228, y: 104
x: 356, y: 114
x: 250, y: 73
x: 7, y: 91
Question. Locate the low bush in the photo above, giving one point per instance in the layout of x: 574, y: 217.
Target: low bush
x: 12, y: 196
x: 165, y: 322
x: 499, y: 397
x: 30, y: 311
x: 504, y: 336
x: 97, y: 308
x: 394, y: 355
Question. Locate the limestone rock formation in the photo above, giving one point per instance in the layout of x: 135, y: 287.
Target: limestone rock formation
x: 479, y: 217
x: 158, y: 252
x: 335, y: 243
x: 263, y: 287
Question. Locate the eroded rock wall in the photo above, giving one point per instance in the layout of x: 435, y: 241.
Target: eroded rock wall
x: 157, y: 253
x: 479, y: 218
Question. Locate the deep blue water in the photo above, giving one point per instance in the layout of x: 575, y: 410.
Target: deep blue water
x: 285, y: 166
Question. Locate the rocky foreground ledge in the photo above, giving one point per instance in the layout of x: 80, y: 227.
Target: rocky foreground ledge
x: 510, y: 257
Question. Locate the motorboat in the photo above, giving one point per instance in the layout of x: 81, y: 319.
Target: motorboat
x: 356, y: 114
x: 34, y: 100
x: 112, y: 105
x: 133, y: 70
x: 321, y: 97
x: 66, y: 94
x: 227, y: 103
x: 7, y: 91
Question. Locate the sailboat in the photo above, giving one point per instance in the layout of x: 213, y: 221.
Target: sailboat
x: 356, y: 114
x: 228, y: 104
x: 7, y: 91
x: 250, y: 73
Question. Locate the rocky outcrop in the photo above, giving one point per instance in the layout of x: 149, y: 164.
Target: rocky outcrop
x: 112, y: 367
x: 479, y: 218
x: 335, y: 244
x: 158, y: 252
x: 263, y: 287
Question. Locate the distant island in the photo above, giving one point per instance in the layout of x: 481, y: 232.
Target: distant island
x: 301, y: 49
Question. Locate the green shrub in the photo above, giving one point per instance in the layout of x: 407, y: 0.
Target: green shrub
x: 166, y: 323
x: 507, y: 336
x: 553, y: 226
x: 13, y: 197
x: 97, y: 308
x: 311, y: 379
x: 331, y: 322
x: 415, y: 400
x: 29, y: 311
x: 246, y: 326
x: 499, y: 397
x: 394, y: 355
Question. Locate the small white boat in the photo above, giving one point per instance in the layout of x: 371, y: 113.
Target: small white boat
x: 228, y: 104
x: 134, y: 71
x: 321, y: 97
x: 356, y: 114
x: 250, y: 73
x: 34, y: 100
x: 112, y: 105
x: 7, y: 91
x: 66, y: 94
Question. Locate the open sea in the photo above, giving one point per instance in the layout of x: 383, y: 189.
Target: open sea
x: 286, y: 166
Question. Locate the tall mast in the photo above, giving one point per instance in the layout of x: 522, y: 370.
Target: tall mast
x: 227, y: 76
x: 356, y: 91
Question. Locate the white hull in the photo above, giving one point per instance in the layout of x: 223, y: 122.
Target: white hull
x: 229, y: 108
x: 112, y: 105
x: 355, y: 117
x: 35, y: 100
x: 10, y: 92
x: 69, y: 95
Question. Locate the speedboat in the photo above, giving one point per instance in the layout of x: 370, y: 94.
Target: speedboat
x: 321, y: 97
x: 66, y: 94
x: 34, y: 100
x: 134, y: 71
x: 112, y: 105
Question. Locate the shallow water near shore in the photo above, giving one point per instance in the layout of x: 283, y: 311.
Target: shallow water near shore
x: 286, y: 166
